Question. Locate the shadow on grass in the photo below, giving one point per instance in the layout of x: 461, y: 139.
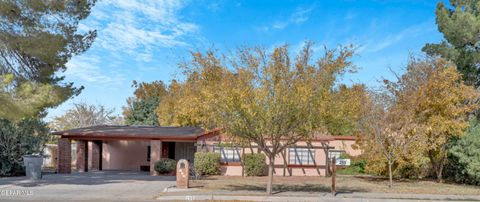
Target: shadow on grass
x: 371, y: 178
x: 383, y: 179
x: 279, y: 188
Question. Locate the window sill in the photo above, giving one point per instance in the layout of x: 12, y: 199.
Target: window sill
x: 303, y: 166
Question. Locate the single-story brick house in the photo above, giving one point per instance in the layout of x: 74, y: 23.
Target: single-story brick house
x: 123, y: 147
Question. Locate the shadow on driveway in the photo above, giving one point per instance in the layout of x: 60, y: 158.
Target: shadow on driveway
x: 88, y: 178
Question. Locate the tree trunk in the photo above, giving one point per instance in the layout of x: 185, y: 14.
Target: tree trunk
x: 437, y: 165
x: 390, y: 174
x: 270, y: 175
x: 439, y: 171
x: 242, y: 163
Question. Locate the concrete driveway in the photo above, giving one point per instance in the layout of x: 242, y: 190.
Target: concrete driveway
x: 90, y: 186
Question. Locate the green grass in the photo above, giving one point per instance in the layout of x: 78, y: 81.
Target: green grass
x: 351, y: 170
x: 356, y: 168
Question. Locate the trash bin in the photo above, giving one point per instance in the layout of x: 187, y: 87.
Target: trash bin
x: 33, y: 166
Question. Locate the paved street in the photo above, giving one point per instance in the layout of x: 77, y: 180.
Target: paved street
x: 91, y: 186
x: 139, y: 186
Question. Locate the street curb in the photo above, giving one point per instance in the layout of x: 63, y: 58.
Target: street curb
x: 321, y: 197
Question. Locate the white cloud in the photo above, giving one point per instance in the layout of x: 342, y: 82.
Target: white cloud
x: 299, y: 16
x: 350, y: 15
x: 279, y: 25
x: 136, y: 27
x: 409, y: 32
x: 128, y: 29
x: 213, y: 6
x: 88, y: 69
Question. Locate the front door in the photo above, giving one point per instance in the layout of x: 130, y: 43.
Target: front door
x: 168, y: 150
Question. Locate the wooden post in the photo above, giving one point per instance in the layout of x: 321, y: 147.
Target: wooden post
x: 284, y: 156
x: 334, y: 169
x: 242, y: 162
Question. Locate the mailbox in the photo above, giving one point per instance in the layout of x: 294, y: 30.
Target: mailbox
x: 182, y: 174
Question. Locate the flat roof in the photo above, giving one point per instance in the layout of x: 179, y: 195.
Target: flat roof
x: 132, y: 132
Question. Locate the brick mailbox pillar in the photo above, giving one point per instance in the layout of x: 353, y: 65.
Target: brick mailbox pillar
x: 64, y: 155
x: 82, y: 156
x: 182, y: 174
x: 155, y: 154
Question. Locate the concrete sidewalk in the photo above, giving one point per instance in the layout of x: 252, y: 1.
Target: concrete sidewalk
x: 172, y: 194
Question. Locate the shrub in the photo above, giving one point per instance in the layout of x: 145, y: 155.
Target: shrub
x: 254, y: 164
x: 356, y: 167
x: 376, y: 165
x: 25, y: 137
x: 463, y: 162
x: 165, y: 166
x: 412, y: 167
x: 207, y: 163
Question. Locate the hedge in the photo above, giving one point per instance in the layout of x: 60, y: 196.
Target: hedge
x: 207, y: 163
x: 254, y: 164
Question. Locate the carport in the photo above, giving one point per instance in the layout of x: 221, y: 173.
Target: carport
x: 124, y: 147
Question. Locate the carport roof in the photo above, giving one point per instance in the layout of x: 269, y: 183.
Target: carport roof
x: 133, y: 132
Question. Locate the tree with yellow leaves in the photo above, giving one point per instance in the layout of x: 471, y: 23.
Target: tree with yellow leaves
x: 265, y: 98
x: 438, y: 102
x: 387, y: 129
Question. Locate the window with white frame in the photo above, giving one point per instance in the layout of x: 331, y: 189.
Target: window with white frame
x: 335, y: 154
x: 301, y: 156
x: 228, y: 154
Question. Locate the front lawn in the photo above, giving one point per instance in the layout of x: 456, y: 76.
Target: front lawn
x: 345, y: 183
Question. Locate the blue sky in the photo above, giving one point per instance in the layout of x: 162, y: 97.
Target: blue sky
x: 145, y: 40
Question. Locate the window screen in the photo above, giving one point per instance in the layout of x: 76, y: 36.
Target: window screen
x: 301, y: 156
x: 228, y: 154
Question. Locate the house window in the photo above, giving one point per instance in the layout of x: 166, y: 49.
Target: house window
x: 228, y: 154
x: 301, y: 156
x: 149, y: 150
x: 335, y: 154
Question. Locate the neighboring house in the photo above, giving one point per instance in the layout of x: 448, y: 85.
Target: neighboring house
x: 121, y: 147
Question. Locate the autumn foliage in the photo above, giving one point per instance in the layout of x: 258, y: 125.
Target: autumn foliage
x: 427, y: 106
x: 266, y: 97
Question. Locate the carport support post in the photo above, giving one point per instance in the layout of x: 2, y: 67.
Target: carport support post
x: 82, y: 155
x: 155, y: 154
x: 64, y: 162
x: 95, y: 155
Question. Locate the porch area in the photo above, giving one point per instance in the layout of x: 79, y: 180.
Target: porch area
x: 124, y: 148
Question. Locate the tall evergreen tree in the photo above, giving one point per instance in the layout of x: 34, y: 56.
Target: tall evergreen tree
x: 460, y: 25
x: 37, y: 39
x: 464, y: 156
x: 141, y: 109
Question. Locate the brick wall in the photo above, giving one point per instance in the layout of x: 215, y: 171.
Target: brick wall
x: 64, y: 156
x: 155, y: 154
